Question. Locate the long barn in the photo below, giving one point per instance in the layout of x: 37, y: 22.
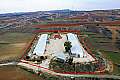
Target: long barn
x: 76, y: 48
x: 41, y: 45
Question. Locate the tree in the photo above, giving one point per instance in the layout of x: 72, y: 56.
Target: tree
x: 27, y: 57
x: 67, y: 46
x: 70, y: 60
x: 42, y: 57
x: 38, y: 59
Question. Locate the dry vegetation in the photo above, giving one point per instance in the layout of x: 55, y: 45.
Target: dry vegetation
x: 12, y: 44
x: 16, y: 73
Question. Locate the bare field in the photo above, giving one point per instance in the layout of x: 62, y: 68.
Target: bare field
x: 16, y: 73
x: 12, y: 44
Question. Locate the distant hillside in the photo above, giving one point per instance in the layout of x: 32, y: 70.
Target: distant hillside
x: 61, y: 11
x: 52, y: 11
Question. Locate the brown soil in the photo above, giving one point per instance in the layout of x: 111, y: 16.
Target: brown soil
x: 16, y: 73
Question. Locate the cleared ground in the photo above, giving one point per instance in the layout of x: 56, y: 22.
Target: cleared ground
x: 12, y: 44
x: 16, y: 73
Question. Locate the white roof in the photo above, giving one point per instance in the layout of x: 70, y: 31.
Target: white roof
x: 76, y: 46
x: 40, y: 47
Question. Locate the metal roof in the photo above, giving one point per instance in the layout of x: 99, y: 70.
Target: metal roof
x: 40, y: 47
x: 76, y: 46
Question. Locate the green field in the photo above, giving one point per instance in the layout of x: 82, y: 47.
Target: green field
x: 100, y: 41
x: 105, y: 45
x: 113, y: 56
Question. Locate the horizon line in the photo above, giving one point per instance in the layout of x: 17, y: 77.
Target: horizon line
x: 57, y: 9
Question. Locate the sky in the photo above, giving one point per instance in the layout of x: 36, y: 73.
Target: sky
x: 10, y: 6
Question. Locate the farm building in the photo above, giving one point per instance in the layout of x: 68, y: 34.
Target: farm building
x: 76, y: 48
x: 41, y: 45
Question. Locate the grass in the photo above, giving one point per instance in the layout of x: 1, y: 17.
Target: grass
x: 105, y: 45
x: 101, y: 42
x: 12, y: 44
x: 116, y: 70
x: 59, y: 19
x: 34, y: 23
x: 113, y: 56
x: 47, y: 76
x: 15, y: 37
